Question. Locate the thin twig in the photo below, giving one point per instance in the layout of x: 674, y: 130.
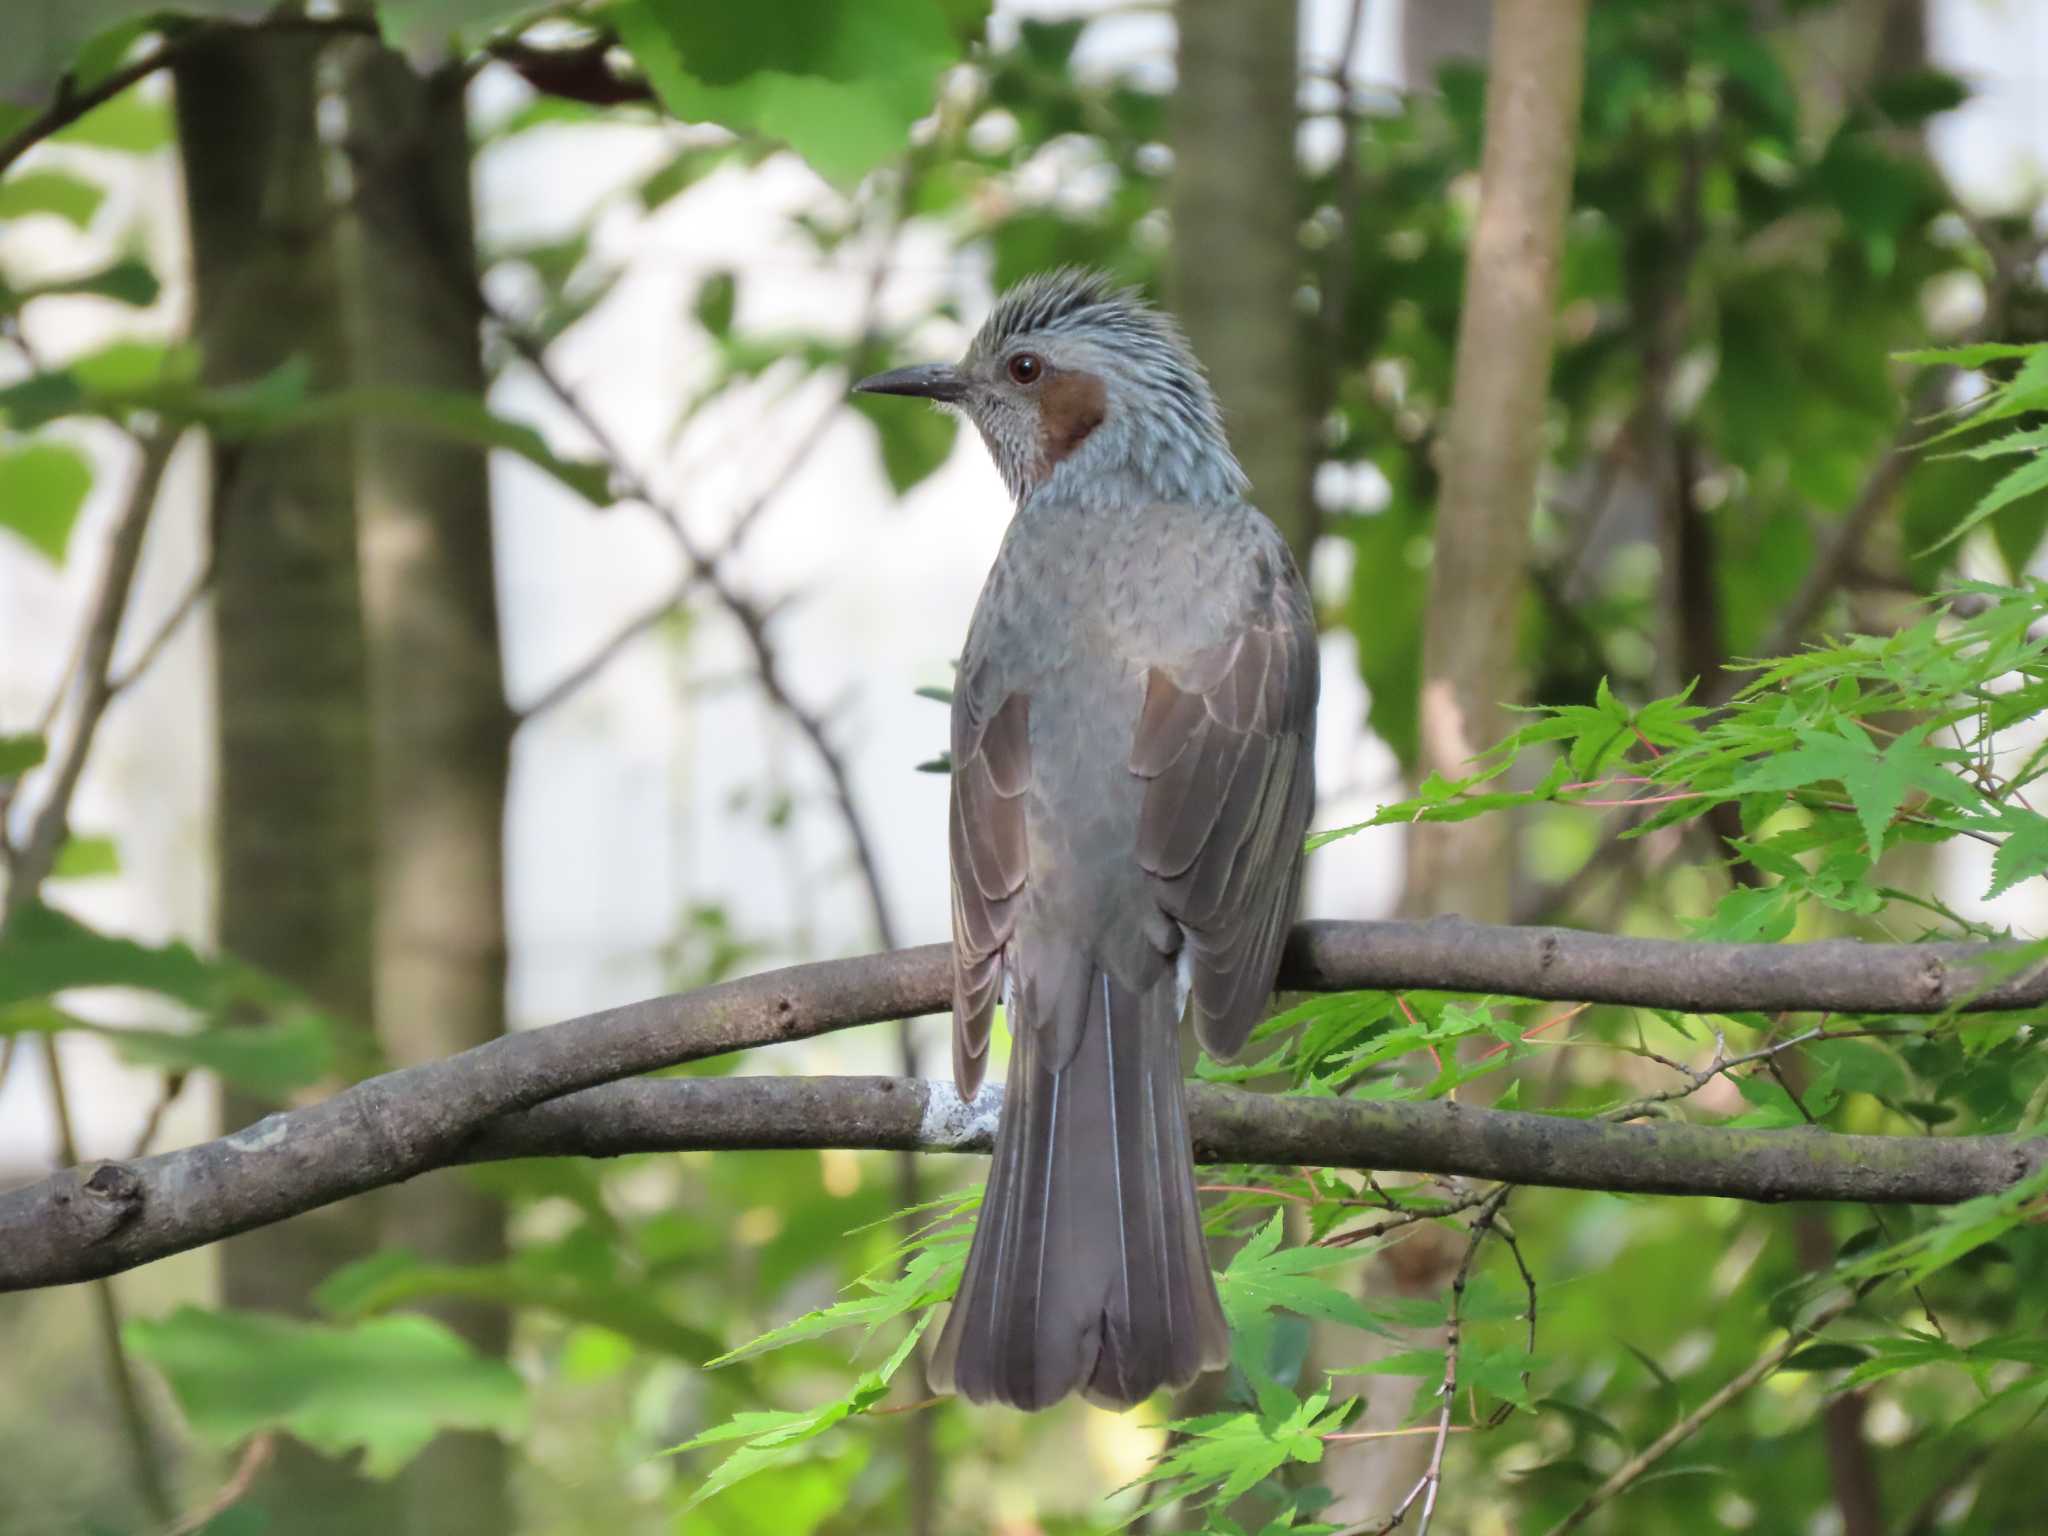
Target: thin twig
x: 1406, y: 1218
x: 1428, y: 1486
x: 1720, y: 1065
x: 187, y: 604
x: 701, y: 569
x: 30, y: 864
x: 106, y: 1312
x: 36, y: 855
x: 69, y: 102
x: 650, y: 618
x: 253, y: 1459
x: 1634, y: 1468
x: 173, y: 1085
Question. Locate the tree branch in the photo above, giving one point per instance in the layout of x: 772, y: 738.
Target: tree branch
x: 86, y: 1222
x: 30, y: 864
x: 68, y: 103
x: 94, y: 1221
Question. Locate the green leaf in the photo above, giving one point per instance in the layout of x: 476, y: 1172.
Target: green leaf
x: 385, y: 1387
x: 1975, y: 355
x: 42, y: 951
x: 2023, y: 854
x: 576, y: 1279
x: 841, y: 85
x: 914, y: 443
x: 42, y: 487
x: 128, y: 281
x: 774, y: 1437
x: 1826, y: 1357
x: 18, y: 754
x: 273, y: 1057
x: 1876, y: 783
x: 52, y: 192
x: 716, y: 298
x: 86, y: 858
x: 132, y: 123
x: 2027, y: 479
x: 1263, y: 1276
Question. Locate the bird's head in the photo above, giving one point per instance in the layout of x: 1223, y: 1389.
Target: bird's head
x: 1080, y: 385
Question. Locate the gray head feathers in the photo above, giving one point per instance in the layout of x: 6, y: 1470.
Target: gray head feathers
x: 1083, y: 391
x: 1160, y: 435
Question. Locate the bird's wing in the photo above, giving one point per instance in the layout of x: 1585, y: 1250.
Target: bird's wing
x: 1226, y: 743
x: 991, y: 769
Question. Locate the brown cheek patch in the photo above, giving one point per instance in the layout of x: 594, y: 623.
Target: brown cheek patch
x: 1070, y: 407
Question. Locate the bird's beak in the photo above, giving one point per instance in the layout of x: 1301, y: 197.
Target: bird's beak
x: 930, y: 381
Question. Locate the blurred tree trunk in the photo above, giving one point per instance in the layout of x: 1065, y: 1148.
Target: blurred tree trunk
x: 1435, y: 32
x: 1492, y: 456
x: 1493, y: 444
x: 1236, y: 249
x: 293, y: 837
x: 1236, y: 265
x: 443, y: 731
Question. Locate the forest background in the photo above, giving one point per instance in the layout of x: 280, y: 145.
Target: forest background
x: 428, y: 490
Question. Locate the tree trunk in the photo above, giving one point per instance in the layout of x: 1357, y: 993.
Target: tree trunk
x: 443, y: 731
x: 1493, y: 446
x: 293, y: 837
x: 1492, y: 455
x: 1236, y: 254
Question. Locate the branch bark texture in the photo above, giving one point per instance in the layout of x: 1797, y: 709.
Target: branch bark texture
x: 99, y: 1220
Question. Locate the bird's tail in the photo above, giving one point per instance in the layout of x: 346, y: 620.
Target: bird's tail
x: 1088, y: 1268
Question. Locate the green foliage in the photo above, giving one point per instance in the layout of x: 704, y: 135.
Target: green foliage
x: 51, y: 192
x: 840, y: 85
x: 384, y: 1387
x: 18, y: 754
x: 259, y: 1034
x: 913, y: 443
x: 1822, y: 785
x: 42, y: 486
x: 2014, y: 499
x: 1742, y: 272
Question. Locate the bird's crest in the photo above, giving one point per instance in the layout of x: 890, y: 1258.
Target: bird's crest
x: 1079, y: 300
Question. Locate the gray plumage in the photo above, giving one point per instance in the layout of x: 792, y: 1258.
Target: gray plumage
x: 1133, y: 733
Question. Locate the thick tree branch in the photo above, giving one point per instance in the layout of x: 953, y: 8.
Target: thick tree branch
x: 94, y: 1221
x: 83, y: 1223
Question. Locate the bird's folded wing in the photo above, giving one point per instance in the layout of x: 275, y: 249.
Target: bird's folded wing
x: 991, y: 769
x: 1226, y: 741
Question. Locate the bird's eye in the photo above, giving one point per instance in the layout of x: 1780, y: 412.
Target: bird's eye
x: 1025, y: 367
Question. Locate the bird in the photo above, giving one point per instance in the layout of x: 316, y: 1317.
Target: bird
x: 1133, y: 733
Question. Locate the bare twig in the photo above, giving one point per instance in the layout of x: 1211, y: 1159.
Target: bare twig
x: 70, y: 101
x: 187, y: 604
x: 702, y: 569
x: 648, y: 619
x: 255, y: 1455
x: 1427, y: 1487
x: 30, y: 864
x: 1640, y: 1463
x: 34, y: 857
x: 173, y: 1085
